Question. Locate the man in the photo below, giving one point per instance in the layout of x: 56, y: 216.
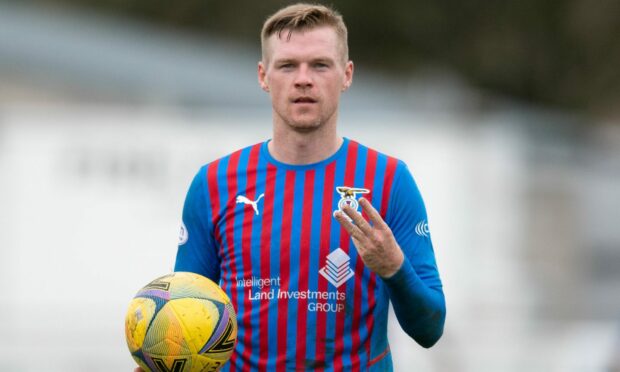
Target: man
x: 311, y: 234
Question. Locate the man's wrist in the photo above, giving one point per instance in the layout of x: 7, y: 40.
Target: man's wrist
x: 395, y: 268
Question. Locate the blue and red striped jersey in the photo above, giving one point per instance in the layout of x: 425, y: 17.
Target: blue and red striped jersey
x: 266, y: 232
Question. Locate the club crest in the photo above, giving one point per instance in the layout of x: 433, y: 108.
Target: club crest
x: 348, y: 196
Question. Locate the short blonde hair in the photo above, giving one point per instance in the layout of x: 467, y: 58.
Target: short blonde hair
x: 303, y: 17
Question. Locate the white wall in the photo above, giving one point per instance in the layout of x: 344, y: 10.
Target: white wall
x: 91, y: 199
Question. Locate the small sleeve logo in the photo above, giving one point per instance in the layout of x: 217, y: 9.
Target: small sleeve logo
x: 421, y: 229
x: 183, y: 234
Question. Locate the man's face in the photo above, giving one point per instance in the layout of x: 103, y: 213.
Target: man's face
x: 304, y: 76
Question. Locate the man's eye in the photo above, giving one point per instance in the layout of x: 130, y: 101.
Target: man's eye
x: 321, y: 65
x: 286, y: 66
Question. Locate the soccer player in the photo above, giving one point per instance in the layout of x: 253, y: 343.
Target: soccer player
x: 309, y: 233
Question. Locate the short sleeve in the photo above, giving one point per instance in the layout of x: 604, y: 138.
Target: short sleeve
x: 408, y: 221
x: 197, y: 250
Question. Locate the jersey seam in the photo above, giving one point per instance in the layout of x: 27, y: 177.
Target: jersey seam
x: 401, y: 167
x: 397, y: 175
x: 207, y: 203
x: 379, y: 357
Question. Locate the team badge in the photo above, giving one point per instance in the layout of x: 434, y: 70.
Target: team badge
x: 348, y: 196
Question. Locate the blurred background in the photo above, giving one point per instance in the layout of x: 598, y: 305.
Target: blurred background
x: 508, y: 114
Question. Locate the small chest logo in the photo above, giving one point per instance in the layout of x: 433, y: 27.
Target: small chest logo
x: 337, y: 270
x: 245, y: 200
x: 348, y: 196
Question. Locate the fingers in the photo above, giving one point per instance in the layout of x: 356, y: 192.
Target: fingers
x: 372, y: 213
x: 358, y: 220
x: 353, y: 230
x: 357, y: 227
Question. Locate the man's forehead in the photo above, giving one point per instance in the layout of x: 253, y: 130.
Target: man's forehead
x: 324, y: 37
x: 317, y: 34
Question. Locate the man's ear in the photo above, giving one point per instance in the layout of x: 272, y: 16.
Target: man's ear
x: 348, y: 75
x: 262, y: 76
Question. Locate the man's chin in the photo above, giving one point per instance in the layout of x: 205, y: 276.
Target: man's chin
x: 305, y: 126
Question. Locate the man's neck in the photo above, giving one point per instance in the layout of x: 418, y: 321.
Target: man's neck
x: 296, y: 148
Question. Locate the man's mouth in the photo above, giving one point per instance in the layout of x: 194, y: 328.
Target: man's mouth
x: 304, y: 100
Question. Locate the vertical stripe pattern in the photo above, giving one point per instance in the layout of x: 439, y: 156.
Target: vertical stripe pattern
x: 324, y: 248
x: 301, y: 305
x: 265, y: 265
x: 345, y: 242
x: 246, y: 250
x: 304, y: 262
x: 282, y: 330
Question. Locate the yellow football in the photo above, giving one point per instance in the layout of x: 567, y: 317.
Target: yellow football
x: 182, y: 322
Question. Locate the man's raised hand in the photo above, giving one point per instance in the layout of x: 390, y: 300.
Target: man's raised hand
x: 375, y: 243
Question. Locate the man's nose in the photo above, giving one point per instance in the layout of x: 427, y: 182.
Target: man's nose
x: 303, y: 78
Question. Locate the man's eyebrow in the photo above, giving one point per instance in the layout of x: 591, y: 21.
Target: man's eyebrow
x: 284, y: 60
x: 313, y: 60
x: 323, y: 59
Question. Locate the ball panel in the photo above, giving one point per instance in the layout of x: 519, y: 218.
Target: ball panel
x: 165, y: 335
x: 140, y: 359
x: 198, y: 319
x: 154, y: 293
x: 191, y: 363
x: 206, y: 363
x: 139, y: 315
x: 231, y: 312
x: 222, y: 342
x: 186, y: 284
x: 161, y: 363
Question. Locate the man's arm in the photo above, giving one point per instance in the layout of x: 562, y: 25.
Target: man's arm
x: 408, y: 270
x: 420, y: 309
x: 197, y: 251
